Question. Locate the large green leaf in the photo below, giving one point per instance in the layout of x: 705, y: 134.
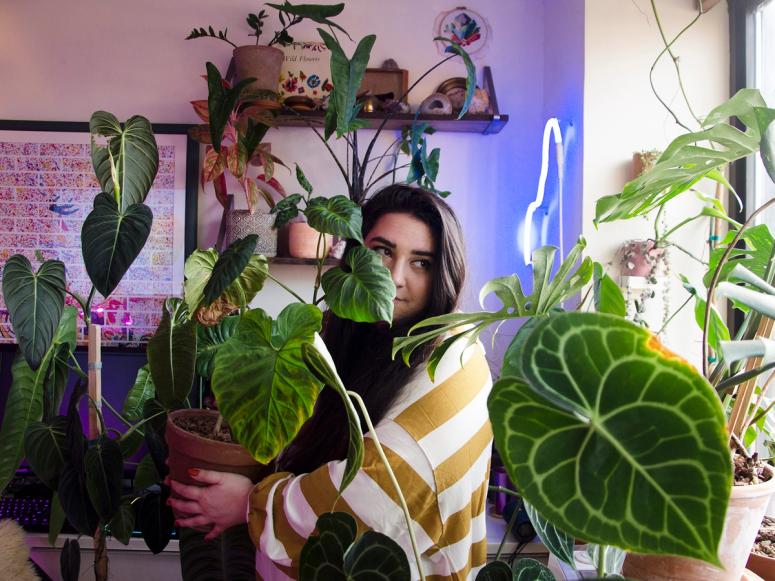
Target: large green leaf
x: 263, y: 388
x: 608, y: 296
x: 104, y: 466
x: 232, y: 555
x: 35, y: 302
x: 221, y: 102
x: 111, y: 239
x: 146, y: 474
x: 74, y: 498
x: 123, y: 522
x: 615, y: 439
x: 70, y: 560
x: 347, y: 76
x: 337, y: 215
x: 45, y: 448
x: 755, y: 256
x: 365, y: 292
x: 495, y: 571
x: 172, y: 355
x: 199, y: 269
x: 322, y: 557
x: 209, y: 341
x: 767, y: 147
x: 155, y: 520
x: 55, y: 380
x: 532, y: 570
x: 612, y: 561
x: 375, y: 557
x: 130, y: 158
x: 229, y: 266
x: 139, y: 393
x: 321, y: 364
x: 559, y: 543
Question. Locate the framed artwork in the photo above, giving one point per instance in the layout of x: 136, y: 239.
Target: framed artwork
x: 466, y: 27
x: 47, y: 188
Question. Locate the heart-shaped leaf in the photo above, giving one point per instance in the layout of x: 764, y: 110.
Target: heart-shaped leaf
x: 155, y: 520
x: 104, y: 466
x: 364, y: 294
x: 375, y: 556
x: 495, y: 571
x: 111, y: 240
x: 209, y: 341
x: 337, y: 215
x: 559, y: 543
x: 139, y: 393
x: 608, y: 408
x: 321, y: 364
x: 229, y: 266
x: 75, y: 500
x: 45, y: 448
x: 130, y: 159
x: 532, y: 570
x: 263, y: 387
x: 35, y: 302
x: 70, y: 560
x: 232, y: 555
x: 322, y: 557
x: 123, y: 522
x: 172, y: 355
x: 286, y: 209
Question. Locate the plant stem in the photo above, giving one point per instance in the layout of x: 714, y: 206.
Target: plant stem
x: 601, y: 549
x: 218, y: 424
x: 321, y: 260
x: 384, y: 175
x: 298, y: 298
x: 686, y: 252
x: 116, y: 413
x: 512, y: 520
x: 738, y: 379
x: 87, y: 311
x: 79, y: 299
x: 678, y: 310
x: 504, y: 490
x: 392, y: 476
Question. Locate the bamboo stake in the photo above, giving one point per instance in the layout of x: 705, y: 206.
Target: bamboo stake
x: 95, y: 379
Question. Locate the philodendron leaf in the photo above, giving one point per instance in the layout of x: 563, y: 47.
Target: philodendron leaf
x: 532, y: 570
x: 228, y: 267
x: 608, y: 296
x: 155, y: 520
x: 35, y: 301
x: 130, y: 158
x: 70, y: 560
x: 321, y: 364
x: 559, y: 543
x: 146, y: 474
x: 364, y: 294
x: 263, y: 387
x: 75, y: 500
x: 209, y: 341
x: 629, y: 423
x: 111, y: 239
x: 232, y: 555
x: 614, y: 558
x: 755, y: 256
x: 322, y: 557
x: 375, y: 557
x: 139, y: 393
x: 286, y: 209
x: 337, y: 215
x: 495, y: 571
x: 45, y: 448
x: 55, y: 380
x: 123, y: 522
x: 104, y: 466
x: 172, y: 355
x: 470, y: 71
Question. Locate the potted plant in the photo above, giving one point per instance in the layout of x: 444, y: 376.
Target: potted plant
x: 262, y: 63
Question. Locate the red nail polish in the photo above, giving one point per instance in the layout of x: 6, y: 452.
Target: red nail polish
x: 193, y: 471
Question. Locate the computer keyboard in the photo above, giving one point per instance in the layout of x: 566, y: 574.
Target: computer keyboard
x: 30, y: 512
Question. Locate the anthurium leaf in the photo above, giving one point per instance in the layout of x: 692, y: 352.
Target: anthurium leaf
x: 232, y: 555
x: 614, y: 558
x: 172, y: 355
x: 209, y: 341
x: 532, y: 570
x: 321, y: 364
x: 512, y: 358
x: 322, y: 557
x: 374, y: 557
x: 495, y: 571
x: 286, y: 209
x: 45, y: 448
x: 104, y: 469
x: 755, y: 256
x: 146, y: 474
x: 111, y: 240
x: 123, y: 522
x: 630, y: 423
x: 559, y: 543
x: 155, y: 520
x: 260, y: 381
x: 608, y: 296
x: 229, y: 266
x: 142, y: 390
x: 470, y: 71
x: 365, y: 292
x: 56, y: 519
x: 221, y: 102
x: 135, y: 157
x: 337, y: 215
x: 35, y: 301
x: 74, y: 498
x: 347, y: 76
x: 70, y: 560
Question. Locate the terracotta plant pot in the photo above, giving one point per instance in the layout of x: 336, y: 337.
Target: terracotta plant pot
x: 747, y: 505
x: 188, y: 450
x: 260, y: 62
x: 240, y: 223
x: 763, y: 566
x: 303, y: 241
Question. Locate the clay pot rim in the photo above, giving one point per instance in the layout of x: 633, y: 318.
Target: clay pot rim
x: 755, y: 490
x: 182, y: 433
x: 257, y: 47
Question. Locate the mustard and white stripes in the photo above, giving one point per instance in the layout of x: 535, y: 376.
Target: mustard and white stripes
x: 437, y: 438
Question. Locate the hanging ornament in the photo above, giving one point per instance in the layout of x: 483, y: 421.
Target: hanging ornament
x: 466, y: 27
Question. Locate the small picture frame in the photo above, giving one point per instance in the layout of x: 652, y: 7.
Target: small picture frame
x: 382, y: 81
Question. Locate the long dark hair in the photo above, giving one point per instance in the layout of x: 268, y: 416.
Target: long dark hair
x: 362, y: 352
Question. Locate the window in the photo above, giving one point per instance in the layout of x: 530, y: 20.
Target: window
x: 763, y: 77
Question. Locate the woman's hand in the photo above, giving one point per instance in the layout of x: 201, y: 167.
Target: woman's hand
x: 222, y: 504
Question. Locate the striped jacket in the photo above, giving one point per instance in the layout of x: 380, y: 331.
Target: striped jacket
x: 437, y: 438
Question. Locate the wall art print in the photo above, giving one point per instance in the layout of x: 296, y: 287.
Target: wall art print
x: 466, y: 27
x: 47, y: 188
x: 306, y: 71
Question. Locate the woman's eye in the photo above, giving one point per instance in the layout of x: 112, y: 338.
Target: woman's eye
x: 423, y: 264
x: 381, y: 250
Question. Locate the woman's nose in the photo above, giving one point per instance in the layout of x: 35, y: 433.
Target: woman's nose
x: 397, y: 272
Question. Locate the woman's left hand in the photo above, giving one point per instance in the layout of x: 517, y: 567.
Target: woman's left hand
x: 222, y: 504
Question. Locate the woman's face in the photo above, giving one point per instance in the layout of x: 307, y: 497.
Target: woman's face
x: 407, y: 248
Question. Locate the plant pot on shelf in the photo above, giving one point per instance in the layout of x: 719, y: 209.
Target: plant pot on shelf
x: 240, y: 223
x: 303, y: 241
x: 761, y: 564
x: 190, y: 450
x: 260, y: 62
x: 747, y: 505
x: 639, y: 257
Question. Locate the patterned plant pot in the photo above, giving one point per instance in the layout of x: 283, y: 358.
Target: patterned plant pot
x: 240, y: 223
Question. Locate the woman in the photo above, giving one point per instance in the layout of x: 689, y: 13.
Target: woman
x: 436, y: 433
